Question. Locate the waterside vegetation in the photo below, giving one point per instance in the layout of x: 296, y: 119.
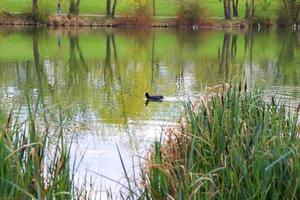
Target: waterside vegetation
x: 232, y: 145
x: 33, y: 165
x: 186, y: 13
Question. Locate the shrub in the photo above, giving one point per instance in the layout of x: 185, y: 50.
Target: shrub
x: 263, y: 13
x: 289, y: 12
x: 136, y: 12
x: 189, y: 11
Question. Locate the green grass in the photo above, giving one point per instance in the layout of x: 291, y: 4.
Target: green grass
x: 232, y: 146
x: 33, y: 165
x: 163, y: 7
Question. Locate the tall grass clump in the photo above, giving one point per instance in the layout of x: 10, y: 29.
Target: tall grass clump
x: 33, y: 165
x: 231, y: 145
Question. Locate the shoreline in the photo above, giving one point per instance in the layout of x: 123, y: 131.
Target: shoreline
x: 7, y: 19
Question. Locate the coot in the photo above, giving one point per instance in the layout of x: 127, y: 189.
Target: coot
x: 154, y: 98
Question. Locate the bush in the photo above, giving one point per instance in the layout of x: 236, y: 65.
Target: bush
x: 263, y: 13
x: 189, y: 11
x: 289, y: 12
x: 136, y: 12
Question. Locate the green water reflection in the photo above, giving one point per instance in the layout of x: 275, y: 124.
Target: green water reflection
x: 101, y: 75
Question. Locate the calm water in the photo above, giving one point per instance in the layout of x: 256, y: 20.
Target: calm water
x: 97, y: 79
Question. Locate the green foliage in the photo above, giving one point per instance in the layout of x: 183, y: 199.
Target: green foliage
x: 289, y: 12
x: 263, y: 12
x: 235, y: 145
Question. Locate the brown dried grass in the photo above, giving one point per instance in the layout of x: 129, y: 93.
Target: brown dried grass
x: 179, y: 134
x: 67, y: 20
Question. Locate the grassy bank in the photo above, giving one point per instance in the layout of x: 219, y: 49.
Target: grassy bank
x: 34, y: 163
x: 233, y: 145
x: 163, y: 7
x: 267, y: 10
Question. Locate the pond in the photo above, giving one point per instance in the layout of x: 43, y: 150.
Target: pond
x: 97, y: 79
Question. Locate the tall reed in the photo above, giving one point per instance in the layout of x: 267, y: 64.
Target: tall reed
x: 33, y: 165
x: 232, y: 145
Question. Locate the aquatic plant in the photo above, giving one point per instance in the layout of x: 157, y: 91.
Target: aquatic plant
x: 34, y: 161
x: 233, y: 144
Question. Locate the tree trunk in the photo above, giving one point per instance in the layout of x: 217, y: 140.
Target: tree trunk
x: 108, y: 8
x: 252, y: 8
x: 58, y: 7
x: 77, y: 7
x: 154, y: 8
x: 35, y: 7
x: 297, y: 15
x: 227, y: 11
x: 114, y: 8
x: 72, y: 7
x: 235, y: 7
x: 284, y: 4
x: 247, y: 9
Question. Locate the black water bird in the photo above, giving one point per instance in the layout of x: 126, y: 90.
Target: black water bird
x: 153, y: 98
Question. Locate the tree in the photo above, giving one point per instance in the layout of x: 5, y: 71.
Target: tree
x: 74, y: 7
x: 35, y: 7
x: 114, y: 8
x: 110, y: 12
x: 289, y: 12
x: 252, y: 8
x: 294, y: 7
x: 227, y: 10
x: 107, y: 8
x: 235, y: 4
x: 247, y: 9
x: 153, y: 7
